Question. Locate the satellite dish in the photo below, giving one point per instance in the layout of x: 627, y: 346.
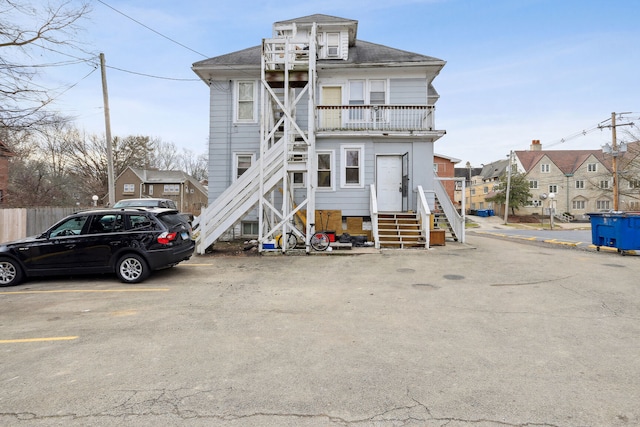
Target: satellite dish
x: 543, y: 196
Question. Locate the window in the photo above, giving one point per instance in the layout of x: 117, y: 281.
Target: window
x: 580, y: 184
x: 634, y: 205
x: 246, y: 94
x: 129, y: 188
x: 151, y: 189
x: 533, y: 184
x: 1, y: 196
x: 325, y: 175
x: 108, y: 223
x: 578, y: 204
x: 634, y: 183
x: 250, y: 228
x: 352, y: 171
x: 592, y: 167
x: 377, y: 96
x: 545, y: 168
x: 485, y: 190
x: 356, y: 97
x: 333, y: 45
x: 435, y: 167
x: 298, y: 179
x: 604, y: 184
x: 243, y: 161
x: 473, y: 191
x: 553, y: 188
x: 603, y: 205
x: 71, y: 227
x: 172, y: 188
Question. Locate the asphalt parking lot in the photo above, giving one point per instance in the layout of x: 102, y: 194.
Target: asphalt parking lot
x: 488, y: 333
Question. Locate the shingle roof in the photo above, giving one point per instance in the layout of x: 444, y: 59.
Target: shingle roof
x: 568, y: 161
x: 320, y: 19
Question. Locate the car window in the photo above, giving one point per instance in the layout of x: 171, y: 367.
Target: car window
x: 171, y: 219
x: 70, y: 227
x: 142, y: 222
x: 106, y: 223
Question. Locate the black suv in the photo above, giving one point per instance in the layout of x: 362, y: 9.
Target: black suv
x: 129, y: 242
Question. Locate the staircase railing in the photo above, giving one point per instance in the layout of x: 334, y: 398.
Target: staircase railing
x: 374, y: 216
x: 238, y: 199
x: 424, y: 214
x: 455, y: 220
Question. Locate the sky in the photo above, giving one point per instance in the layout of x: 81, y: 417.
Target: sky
x: 516, y: 70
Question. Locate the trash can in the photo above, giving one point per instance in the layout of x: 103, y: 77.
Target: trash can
x: 620, y: 230
x: 490, y: 212
x: 482, y: 212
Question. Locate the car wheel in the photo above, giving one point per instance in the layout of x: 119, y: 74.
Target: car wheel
x: 10, y: 272
x: 132, y: 268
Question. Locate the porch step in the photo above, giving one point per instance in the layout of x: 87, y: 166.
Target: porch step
x: 400, y: 231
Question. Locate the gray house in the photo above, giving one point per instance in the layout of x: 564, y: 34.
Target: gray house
x: 314, y: 122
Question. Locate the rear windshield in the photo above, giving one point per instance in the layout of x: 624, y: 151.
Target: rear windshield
x: 171, y: 219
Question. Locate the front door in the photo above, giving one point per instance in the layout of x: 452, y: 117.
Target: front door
x: 332, y: 118
x: 389, y: 183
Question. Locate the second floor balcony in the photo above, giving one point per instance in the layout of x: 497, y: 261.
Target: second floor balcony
x: 400, y: 119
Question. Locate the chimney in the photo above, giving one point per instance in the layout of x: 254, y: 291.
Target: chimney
x: 535, y: 145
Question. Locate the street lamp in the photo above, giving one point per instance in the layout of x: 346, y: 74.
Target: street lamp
x: 469, y: 168
x: 95, y: 200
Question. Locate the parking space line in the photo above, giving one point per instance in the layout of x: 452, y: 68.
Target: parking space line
x: 26, y: 340
x: 66, y: 291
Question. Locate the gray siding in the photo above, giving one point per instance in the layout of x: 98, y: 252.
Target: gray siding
x: 408, y: 91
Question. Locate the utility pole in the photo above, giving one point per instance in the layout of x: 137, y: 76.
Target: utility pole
x: 107, y: 123
x: 615, y: 151
x: 506, y: 200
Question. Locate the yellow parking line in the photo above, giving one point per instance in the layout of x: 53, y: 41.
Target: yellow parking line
x: 66, y: 291
x: 37, y: 340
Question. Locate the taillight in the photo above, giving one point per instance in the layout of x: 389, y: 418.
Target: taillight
x: 166, y: 238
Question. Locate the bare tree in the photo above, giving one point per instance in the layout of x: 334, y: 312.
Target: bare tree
x: 29, y: 31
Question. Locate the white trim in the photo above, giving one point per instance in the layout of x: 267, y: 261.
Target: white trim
x: 235, y: 161
x: 236, y: 101
x: 343, y: 165
x: 332, y: 160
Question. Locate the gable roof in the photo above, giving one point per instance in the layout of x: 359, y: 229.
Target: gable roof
x: 155, y: 176
x: 568, y: 161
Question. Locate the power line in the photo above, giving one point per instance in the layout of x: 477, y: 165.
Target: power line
x: 151, y: 29
x: 152, y: 76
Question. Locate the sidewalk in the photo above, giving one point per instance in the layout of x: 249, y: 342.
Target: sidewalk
x: 497, y: 222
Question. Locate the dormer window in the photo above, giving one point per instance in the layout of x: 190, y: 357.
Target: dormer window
x: 333, y: 45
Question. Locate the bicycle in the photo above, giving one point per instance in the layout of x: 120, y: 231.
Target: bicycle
x: 319, y: 239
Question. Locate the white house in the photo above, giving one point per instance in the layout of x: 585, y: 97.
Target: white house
x: 313, y: 120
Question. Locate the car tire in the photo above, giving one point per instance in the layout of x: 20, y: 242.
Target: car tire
x: 132, y: 268
x: 10, y: 272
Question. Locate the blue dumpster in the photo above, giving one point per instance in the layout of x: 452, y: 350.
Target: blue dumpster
x: 490, y: 212
x: 620, y: 230
x: 483, y: 212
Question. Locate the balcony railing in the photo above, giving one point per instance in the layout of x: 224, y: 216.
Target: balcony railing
x: 383, y: 118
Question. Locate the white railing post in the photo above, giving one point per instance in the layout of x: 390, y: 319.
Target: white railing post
x: 374, y: 217
x: 425, y: 216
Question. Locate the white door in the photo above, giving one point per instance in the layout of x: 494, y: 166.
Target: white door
x: 332, y: 118
x: 389, y: 183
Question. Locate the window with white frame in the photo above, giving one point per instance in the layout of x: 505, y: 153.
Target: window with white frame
x: 246, y: 101
x: 634, y: 205
x: 377, y: 96
x: 592, y: 167
x: 249, y: 228
x: 553, y: 188
x: 356, y: 97
x: 533, y: 184
x: 333, y: 45
x: 352, y: 173
x: 580, y: 184
x: 242, y: 162
x: 150, y: 191
x: 171, y: 188
x: 298, y: 179
x: 129, y: 188
x: 325, y: 170
x: 545, y: 168
x: 603, y: 204
x: 578, y: 205
x: 485, y: 190
x: 604, y: 184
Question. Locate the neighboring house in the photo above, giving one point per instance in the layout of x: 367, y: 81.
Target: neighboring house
x: 444, y: 167
x: 483, y: 184
x: 470, y: 175
x: 331, y: 122
x: 581, y: 180
x: 5, y: 153
x: 190, y: 196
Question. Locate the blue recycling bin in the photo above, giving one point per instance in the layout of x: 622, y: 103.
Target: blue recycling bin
x: 620, y: 230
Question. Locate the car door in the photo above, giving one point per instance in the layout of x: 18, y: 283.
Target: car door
x: 100, y: 240
x: 57, y: 249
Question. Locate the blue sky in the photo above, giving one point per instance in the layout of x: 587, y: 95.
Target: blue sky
x: 517, y: 70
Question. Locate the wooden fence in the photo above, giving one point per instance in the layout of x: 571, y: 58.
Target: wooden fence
x: 22, y: 222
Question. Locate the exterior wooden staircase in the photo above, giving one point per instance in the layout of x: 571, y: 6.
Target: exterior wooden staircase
x: 400, y: 230
x: 441, y: 222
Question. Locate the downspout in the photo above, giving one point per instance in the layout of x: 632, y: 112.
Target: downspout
x: 568, y: 175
